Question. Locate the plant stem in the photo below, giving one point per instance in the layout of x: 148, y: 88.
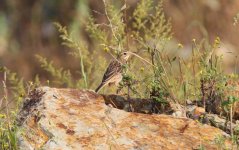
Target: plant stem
x: 83, y: 71
x: 231, y: 121
x: 203, y: 93
x: 5, y: 97
x: 111, y: 25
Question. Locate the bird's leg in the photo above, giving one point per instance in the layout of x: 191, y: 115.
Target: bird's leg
x: 118, y: 87
x: 118, y: 90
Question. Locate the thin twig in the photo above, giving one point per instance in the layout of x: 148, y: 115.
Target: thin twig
x: 5, y: 97
x: 4, y: 107
x: 142, y: 58
x: 231, y: 115
x: 110, y: 23
x: 112, y: 136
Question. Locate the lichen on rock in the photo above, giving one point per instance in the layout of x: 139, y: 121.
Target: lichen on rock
x: 80, y: 119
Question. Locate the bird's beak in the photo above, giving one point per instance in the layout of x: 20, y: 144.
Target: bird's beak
x: 135, y: 52
x: 132, y: 53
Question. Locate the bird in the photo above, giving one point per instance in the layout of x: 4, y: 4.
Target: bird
x: 113, y: 73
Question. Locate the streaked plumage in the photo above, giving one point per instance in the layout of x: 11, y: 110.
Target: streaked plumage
x: 113, y: 73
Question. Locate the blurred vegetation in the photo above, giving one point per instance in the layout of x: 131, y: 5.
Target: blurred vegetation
x: 26, y: 29
x: 177, y: 59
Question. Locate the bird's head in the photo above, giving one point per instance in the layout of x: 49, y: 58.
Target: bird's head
x: 125, y: 55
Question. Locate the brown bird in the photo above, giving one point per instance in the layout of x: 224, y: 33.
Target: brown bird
x: 113, y: 73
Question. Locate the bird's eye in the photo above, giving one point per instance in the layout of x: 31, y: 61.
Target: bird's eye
x: 124, y: 53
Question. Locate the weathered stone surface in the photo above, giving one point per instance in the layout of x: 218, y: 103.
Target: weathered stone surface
x: 146, y: 106
x: 236, y: 111
x: 79, y: 119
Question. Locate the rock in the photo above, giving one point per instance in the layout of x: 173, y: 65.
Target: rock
x: 199, y: 114
x: 236, y: 111
x: 79, y: 119
x: 194, y: 111
x: 199, y: 111
x: 146, y: 106
x: 219, y: 122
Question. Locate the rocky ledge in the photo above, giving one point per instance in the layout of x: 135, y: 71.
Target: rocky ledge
x: 54, y: 118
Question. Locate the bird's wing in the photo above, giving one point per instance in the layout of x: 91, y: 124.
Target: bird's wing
x: 114, y: 68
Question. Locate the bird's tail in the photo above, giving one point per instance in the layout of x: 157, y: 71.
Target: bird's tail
x: 99, y: 87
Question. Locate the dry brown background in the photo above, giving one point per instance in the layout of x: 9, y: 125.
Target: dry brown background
x: 26, y: 28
